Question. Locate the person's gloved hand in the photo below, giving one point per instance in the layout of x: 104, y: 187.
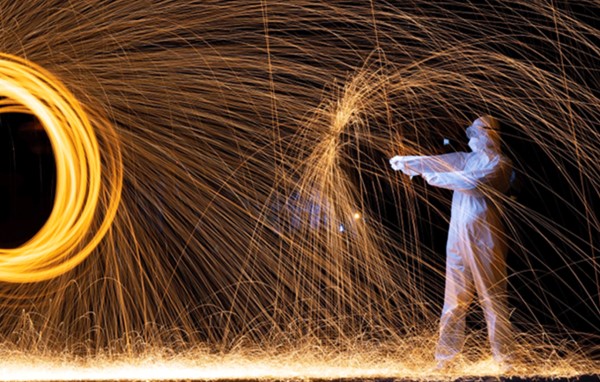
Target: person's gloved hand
x: 397, y: 162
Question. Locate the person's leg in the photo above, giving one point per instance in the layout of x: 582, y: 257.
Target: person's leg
x: 489, y: 274
x: 457, y: 298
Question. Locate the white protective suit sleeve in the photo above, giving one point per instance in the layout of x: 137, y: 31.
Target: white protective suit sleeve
x: 416, y: 165
x: 487, y: 171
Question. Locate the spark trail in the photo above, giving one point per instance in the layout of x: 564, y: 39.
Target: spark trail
x: 243, y: 137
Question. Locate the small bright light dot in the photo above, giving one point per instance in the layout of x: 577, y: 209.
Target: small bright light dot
x: 356, y: 215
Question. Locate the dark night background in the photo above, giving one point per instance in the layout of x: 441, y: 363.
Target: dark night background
x: 27, y: 176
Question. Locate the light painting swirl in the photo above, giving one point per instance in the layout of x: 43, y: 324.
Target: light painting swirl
x: 71, y: 232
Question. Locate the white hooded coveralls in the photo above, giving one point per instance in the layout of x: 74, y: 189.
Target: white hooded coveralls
x: 476, y: 252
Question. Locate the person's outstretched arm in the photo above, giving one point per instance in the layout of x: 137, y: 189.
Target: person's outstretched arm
x: 473, y: 181
x: 416, y: 165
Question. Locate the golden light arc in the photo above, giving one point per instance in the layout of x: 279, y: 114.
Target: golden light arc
x: 74, y: 228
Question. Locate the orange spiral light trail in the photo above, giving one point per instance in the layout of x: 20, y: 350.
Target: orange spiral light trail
x: 64, y: 241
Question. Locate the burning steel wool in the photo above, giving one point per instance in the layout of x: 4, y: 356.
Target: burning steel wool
x: 222, y: 203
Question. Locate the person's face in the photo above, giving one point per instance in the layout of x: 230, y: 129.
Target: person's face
x: 477, y: 136
x: 475, y: 144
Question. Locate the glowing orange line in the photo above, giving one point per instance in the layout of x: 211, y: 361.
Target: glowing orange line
x: 65, y: 239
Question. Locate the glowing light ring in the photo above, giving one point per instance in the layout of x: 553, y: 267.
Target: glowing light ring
x: 79, y: 218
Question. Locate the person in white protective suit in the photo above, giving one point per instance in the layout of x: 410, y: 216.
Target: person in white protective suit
x: 476, y: 251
